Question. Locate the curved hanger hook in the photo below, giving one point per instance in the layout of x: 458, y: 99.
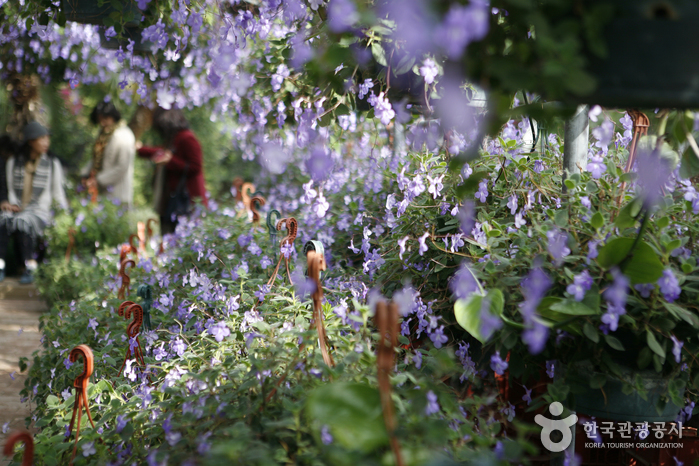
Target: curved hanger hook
x: 134, y: 248
x: 149, y: 229
x: 256, y: 200
x: 88, y: 364
x: 238, y: 185
x: 271, y: 225
x: 22, y: 436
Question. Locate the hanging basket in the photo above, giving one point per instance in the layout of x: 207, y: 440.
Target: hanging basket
x: 129, y: 33
x: 90, y: 12
x: 651, y: 56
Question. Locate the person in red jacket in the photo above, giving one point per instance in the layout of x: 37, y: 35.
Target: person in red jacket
x: 180, y: 160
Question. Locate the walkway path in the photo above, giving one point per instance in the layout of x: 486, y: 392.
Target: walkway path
x: 20, y: 309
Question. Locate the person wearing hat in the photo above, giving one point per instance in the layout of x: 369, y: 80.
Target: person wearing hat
x: 113, y: 155
x: 34, y: 182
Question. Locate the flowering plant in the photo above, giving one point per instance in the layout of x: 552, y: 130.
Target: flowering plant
x: 602, y: 274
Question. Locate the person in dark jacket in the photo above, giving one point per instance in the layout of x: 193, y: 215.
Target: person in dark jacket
x: 179, y: 160
x: 34, y: 180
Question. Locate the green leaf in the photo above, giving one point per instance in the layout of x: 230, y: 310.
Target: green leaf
x: 645, y: 357
x: 591, y: 332
x: 379, y: 54
x: 572, y: 308
x: 597, y: 220
x: 561, y: 218
x: 468, y: 311
x: 614, y: 343
x: 672, y: 245
x: 627, y: 215
x: 598, y: 381
x: 682, y: 313
x: 642, y: 266
x: 352, y: 412
x: 662, y: 222
x: 689, y: 167
x: 405, y: 64
x: 654, y: 345
x: 569, y: 184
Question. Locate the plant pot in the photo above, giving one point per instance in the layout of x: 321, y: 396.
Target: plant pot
x: 619, y: 406
x: 130, y: 32
x: 89, y: 11
x: 651, y: 60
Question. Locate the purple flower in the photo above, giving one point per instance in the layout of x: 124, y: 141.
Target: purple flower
x: 617, y: 292
x: 509, y: 412
x: 438, y: 337
x: 645, y: 289
x: 596, y: 166
x: 319, y: 164
x: 466, y: 216
x: 401, y: 245
x: 550, y: 368
x: 432, y: 404
x: 489, y: 322
x: 262, y: 291
x: 325, y: 436
x: 604, y: 133
x: 512, y: 204
x: 383, y: 109
x: 342, y: 14
x: 121, y: 423
x: 535, y: 336
x: 364, y: 88
x: 581, y: 284
x: 462, y: 25
x: 653, y: 173
x: 417, y: 359
x: 219, y: 331
x: 669, y: 286
x: 497, y: 364
x: 482, y: 193
x: 534, y: 288
x: 463, y: 282
x: 423, y: 247
x: 429, y: 70
x: 178, y: 346
x: 527, y: 395
x: 676, y: 348
x: 557, y: 245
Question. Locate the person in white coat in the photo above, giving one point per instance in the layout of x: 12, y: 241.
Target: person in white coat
x: 34, y: 182
x: 113, y: 155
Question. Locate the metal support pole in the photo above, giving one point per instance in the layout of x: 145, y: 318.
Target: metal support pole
x: 577, y: 135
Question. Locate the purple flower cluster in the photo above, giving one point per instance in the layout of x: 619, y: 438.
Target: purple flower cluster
x: 534, y: 288
x: 615, y: 295
x: 582, y: 283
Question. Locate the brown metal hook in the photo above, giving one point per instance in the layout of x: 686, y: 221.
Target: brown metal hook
x: 238, y: 185
x: 126, y: 309
x: 22, y: 436
x: 386, y: 319
x: 125, y: 279
x: 149, y: 229
x: 292, y: 230
x: 81, y: 383
x: 246, y: 191
x: 255, y: 214
x: 71, y: 243
x: 316, y: 263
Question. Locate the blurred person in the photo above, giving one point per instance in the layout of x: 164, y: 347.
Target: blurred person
x: 34, y: 180
x: 178, y: 165
x: 113, y: 155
